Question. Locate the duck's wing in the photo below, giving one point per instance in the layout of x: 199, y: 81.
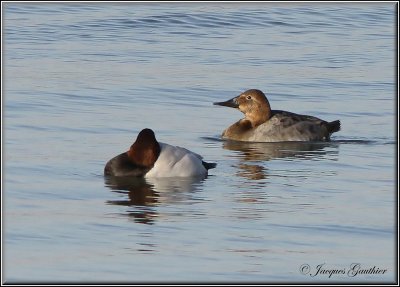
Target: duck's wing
x: 180, y: 152
x: 303, y: 127
x: 295, y: 117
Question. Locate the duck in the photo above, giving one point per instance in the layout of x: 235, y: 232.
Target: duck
x: 261, y: 124
x: 149, y: 158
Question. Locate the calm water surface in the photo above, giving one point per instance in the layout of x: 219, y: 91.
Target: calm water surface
x: 81, y: 80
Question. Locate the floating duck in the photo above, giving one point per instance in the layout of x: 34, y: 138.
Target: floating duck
x: 149, y: 158
x: 261, y: 124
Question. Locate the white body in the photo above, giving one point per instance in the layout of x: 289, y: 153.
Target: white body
x: 175, y: 161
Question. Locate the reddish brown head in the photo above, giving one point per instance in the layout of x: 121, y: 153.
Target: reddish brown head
x: 145, y: 150
x: 253, y: 103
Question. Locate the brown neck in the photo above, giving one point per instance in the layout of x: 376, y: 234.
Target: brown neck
x: 144, y: 155
x: 259, y: 115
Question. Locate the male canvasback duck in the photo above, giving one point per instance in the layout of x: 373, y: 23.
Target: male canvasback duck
x: 149, y: 158
x: 261, y: 124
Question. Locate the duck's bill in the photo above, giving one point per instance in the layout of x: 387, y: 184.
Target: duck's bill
x: 232, y: 103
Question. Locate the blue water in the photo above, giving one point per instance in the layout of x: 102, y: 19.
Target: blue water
x: 81, y: 80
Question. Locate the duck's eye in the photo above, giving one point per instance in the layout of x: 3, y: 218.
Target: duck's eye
x: 248, y: 97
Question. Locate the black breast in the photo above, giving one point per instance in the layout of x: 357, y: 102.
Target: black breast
x: 121, y: 165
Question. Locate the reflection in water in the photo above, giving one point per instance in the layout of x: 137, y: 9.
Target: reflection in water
x: 143, y: 195
x: 248, y: 152
x: 266, y: 151
x: 139, y: 191
x: 255, y: 199
x: 251, y: 171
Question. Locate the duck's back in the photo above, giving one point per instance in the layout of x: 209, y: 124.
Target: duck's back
x: 175, y: 161
x: 287, y: 126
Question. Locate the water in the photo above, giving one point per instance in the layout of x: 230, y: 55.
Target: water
x: 81, y: 80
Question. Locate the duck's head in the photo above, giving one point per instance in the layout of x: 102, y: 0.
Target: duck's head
x: 253, y: 103
x: 145, y: 150
x: 146, y: 136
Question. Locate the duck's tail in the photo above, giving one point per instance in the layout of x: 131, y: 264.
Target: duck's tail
x: 333, y: 126
x: 209, y: 165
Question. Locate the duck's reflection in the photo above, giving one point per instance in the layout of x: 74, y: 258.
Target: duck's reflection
x: 143, y: 195
x: 251, y: 171
x: 251, y: 155
x: 250, y: 151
